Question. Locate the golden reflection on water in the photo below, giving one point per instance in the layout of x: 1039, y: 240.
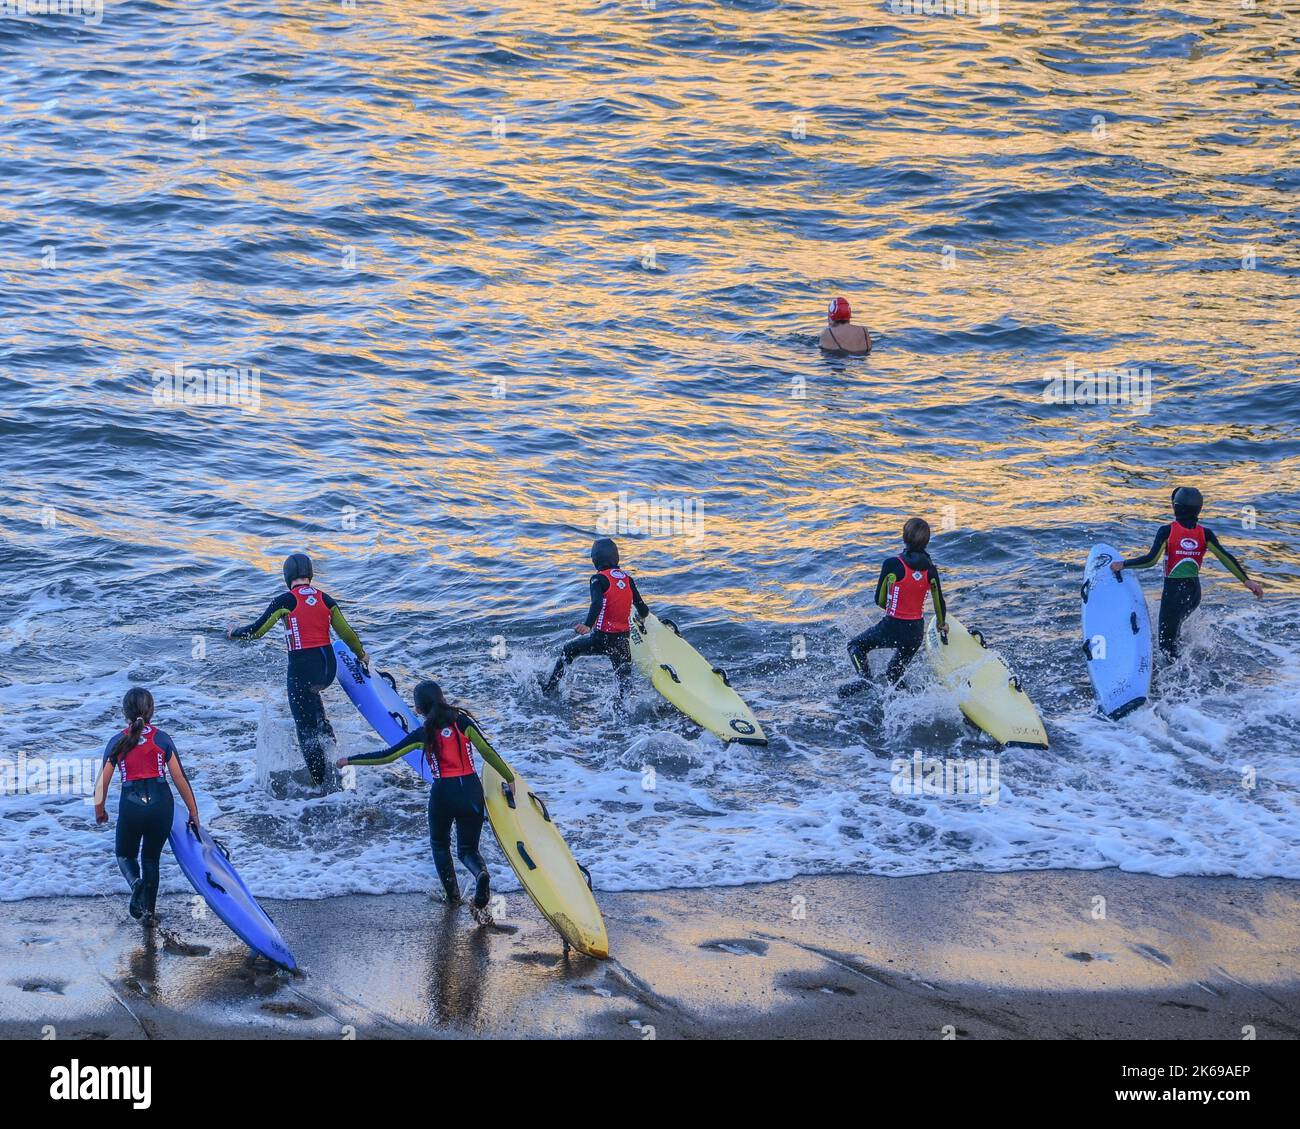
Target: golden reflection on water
x: 1096, y: 199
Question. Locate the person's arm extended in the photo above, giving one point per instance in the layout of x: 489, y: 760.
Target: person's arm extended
x: 409, y: 743
x: 177, y: 770
x: 1157, y: 551
x: 889, y: 575
x: 642, y: 608
x: 488, y: 753
x: 1226, y: 559
x: 599, y: 586
x: 102, y: 783
x: 936, y: 598
x: 343, y: 629
x: 276, y: 610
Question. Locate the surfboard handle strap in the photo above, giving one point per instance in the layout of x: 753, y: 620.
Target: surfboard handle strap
x: 723, y: 675
x: 509, y: 795
x: 523, y: 854
x: 219, y: 844
x: 1014, y: 683
x: 1133, y: 622
x: 976, y: 634
x: 669, y: 623
x: 585, y: 873
x: 214, y: 883
x: 1084, y: 589
x: 389, y: 679
x: 400, y: 719
x: 546, y: 815
x: 671, y: 673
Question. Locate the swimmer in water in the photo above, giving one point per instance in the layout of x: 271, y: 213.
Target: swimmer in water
x: 840, y: 336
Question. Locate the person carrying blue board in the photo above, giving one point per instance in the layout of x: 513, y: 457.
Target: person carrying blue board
x: 905, y: 581
x: 309, y: 615
x: 1183, y: 543
x: 143, y: 756
x: 607, y: 627
x: 445, y: 738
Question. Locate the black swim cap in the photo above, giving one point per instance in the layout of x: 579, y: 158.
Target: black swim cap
x: 296, y: 565
x: 1187, y: 502
x: 604, y: 554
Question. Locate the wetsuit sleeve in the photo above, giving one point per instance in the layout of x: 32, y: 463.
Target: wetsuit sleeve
x: 276, y: 610
x: 642, y: 608
x: 889, y: 575
x: 408, y: 743
x: 599, y: 586
x: 108, y: 749
x: 166, y: 744
x: 1226, y: 559
x: 936, y: 598
x: 470, y: 728
x: 1157, y: 551
x: 343, y: 629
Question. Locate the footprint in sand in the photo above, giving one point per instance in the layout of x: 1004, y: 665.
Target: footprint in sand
x: 174, y: 946
x: 291, y: 1011
x: 42, y: 987
x: 546, y: 960
x: 1152, y: 955
x: 737, y: 947
x: 138, y: 987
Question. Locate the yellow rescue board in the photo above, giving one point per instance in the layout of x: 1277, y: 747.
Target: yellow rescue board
x: 687, y: 679
x: 986, y: 690
x: 544, y: 864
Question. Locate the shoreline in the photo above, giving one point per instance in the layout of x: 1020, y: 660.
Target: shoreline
x: 959, y: 954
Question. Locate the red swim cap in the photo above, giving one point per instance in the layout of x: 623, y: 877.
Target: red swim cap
x: 839, y: 310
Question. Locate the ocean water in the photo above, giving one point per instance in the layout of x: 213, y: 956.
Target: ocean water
x: 499, y: 276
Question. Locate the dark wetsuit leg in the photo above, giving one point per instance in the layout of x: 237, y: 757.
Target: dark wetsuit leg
x: 619, y: 649
x: 613, y: 644
x: 1181, y: 596
x: 144, y: 820
x: 458, y: 802
x: 310, y: 672
x: 904, y: 636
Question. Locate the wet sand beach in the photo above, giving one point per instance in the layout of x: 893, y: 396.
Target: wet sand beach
x: 1042, y: 955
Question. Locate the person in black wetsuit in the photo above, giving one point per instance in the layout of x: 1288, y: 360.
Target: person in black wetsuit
x: 1183, y: 543
x: 308, y: 614
x: 605, y: 630
x: 456, y: 797
x: 143, y: 756
x: 905, y: 581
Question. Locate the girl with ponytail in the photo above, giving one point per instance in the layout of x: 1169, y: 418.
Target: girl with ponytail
x: 456, y: 798
x: 142, y: 756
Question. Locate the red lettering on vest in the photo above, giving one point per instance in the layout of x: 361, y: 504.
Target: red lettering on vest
x: 146, y: 760
x: 907, y: 596
x: 1184, y: 545
x: 308, y: 625
x: 616, y: 607
x: 451, y: 754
